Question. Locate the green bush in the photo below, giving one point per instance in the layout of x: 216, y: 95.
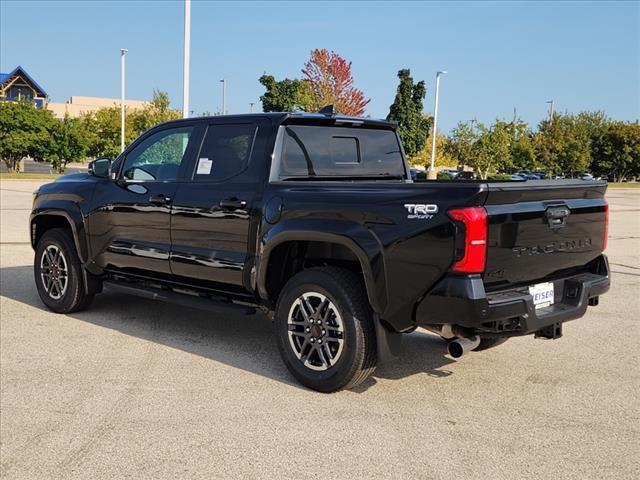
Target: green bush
x: 499, y: 176
x: 444, y: 176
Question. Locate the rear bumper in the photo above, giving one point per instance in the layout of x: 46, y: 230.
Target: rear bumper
x: 462, y: 301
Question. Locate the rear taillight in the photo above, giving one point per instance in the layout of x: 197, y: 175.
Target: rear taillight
x: 605, y: 240
x: 471, y: 255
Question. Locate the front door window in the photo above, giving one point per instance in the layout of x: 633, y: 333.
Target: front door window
x: 158, y: 157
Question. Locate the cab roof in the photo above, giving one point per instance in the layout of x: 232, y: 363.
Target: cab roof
x: 303, y: 118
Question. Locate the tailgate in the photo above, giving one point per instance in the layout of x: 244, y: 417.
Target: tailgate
x: 541, y: 229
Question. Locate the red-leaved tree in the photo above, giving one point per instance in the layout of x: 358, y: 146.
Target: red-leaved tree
x: 329, y: 78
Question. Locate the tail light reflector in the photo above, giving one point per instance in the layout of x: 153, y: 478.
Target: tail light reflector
x: 473, y: 257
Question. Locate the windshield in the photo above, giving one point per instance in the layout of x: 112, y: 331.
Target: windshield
x: 340, y: 152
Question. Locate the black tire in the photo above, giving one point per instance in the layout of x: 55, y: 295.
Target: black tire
x: 59, y: 293
x: 345, y: 304
x: 487, y: 343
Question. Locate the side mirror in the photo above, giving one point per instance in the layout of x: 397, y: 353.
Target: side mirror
x: 100, y: 168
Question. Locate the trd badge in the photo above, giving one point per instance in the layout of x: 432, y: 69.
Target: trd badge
x: 421, y: 210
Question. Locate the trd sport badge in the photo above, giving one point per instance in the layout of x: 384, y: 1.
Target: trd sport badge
x: 421, y: 210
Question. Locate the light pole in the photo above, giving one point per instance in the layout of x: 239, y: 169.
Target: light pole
x: 550, y: 102
x: 224, y: 96
x: 434, y: 132
x: 123, y: 52
x: 251, y: 104
x: 185, y: 64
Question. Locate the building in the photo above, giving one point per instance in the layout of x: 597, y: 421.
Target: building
x: 77, y: 105
x: 18, y: 85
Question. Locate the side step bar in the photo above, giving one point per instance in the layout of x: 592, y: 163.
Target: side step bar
x: 187, y: 299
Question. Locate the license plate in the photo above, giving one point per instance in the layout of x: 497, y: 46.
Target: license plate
x: 542, y: 294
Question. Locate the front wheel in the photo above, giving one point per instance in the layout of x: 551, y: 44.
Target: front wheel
x: 58, y: 273
x: 324, y: 328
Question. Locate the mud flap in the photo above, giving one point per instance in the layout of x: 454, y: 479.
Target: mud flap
x: 92, y: 283
x: 388, y: 343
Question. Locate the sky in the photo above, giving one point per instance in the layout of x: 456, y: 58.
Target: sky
x: 499, y: 55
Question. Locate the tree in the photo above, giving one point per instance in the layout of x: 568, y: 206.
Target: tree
x: 593, y: 123
x: 158, y: 111
x: 443, y: 157
x: 413, y: 126
x: 69, y: 142
x: 285, y: 95
x: 104, y: 132
x: 521, y: 147
x: 459, y: 145
x: 330, y: 81
x: 491, y: 153
x: 563, y: 145
x: 617, y: 151
x: 103, y: 126
x: 486, y: 149
x: 26, y: 131
x: 23, y: 132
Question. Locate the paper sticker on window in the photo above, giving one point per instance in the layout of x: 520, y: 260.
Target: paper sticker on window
x: 204, y: 166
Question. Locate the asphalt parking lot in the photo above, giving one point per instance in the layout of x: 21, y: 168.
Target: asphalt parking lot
x: 136, y: 389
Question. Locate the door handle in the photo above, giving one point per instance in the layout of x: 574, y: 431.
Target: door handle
x: 232, y: 203
x: 160, y: 199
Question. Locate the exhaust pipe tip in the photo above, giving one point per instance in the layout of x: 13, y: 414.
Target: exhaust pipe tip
x: 460, y: 346
x: 455, y: 349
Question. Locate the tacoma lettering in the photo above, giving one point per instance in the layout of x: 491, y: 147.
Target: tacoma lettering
x: 553, y: 247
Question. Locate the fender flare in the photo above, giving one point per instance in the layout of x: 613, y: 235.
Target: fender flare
x: 74, y: 224
x: 376, y: 287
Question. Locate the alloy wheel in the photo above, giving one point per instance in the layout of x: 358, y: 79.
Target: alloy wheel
x: 54, y: 273
x: 316, y: 331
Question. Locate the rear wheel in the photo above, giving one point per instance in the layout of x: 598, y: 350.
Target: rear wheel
x: 324, y: 329
x: 58, y: 273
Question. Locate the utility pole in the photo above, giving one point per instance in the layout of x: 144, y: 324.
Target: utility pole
x: 431, y: 174
x: 123, y: 52
x: 251, y: 104
x: 224, y: 96
x: 185, y: 64
x: 550, y: 102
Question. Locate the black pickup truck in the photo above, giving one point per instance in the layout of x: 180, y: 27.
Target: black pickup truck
x: 314, y: 220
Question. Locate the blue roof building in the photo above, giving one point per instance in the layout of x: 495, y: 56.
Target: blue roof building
x: 18, y: 85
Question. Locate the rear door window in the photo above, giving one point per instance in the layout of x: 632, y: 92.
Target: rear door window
x: 225, y: 152
x: 314, y: 151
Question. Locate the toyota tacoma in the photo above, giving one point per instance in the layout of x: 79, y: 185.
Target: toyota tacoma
x: 314, y: 220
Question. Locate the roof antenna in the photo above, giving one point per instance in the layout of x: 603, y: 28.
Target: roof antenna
x: 328, y: 110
